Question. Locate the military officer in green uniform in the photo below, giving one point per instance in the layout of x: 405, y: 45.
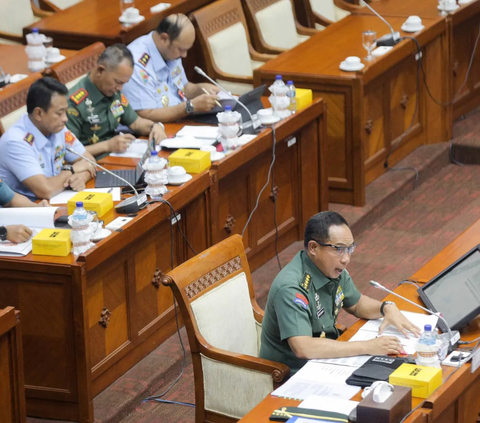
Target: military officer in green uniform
x: 307, y: 295
x: 96, y: 106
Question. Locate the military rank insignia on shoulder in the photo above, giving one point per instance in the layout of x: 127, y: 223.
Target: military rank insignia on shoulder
x: 78, y: 96
x: 305, y: 284
x: 73, y: 112
x: 144, y: 59
x: 124, y: 100
x: 29, y: 138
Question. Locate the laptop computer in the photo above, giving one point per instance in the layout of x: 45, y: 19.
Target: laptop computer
x: 251, y: 100
x: 133, y: 176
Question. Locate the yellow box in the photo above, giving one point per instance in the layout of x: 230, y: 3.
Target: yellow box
x: 304, y: 98
x: 423, y: 380
x: 101, y: 202
x: 194, y: 161
x: 52, y: 242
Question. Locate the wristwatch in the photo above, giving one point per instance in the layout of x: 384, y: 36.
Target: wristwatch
x: 69, y: 167
x: 3, y: 233
x: 189, y: 107
x: 382, y: 312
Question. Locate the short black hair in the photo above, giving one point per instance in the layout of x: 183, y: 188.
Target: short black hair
x: 318, y: 226
x: 41, y: 92
x: 172, y: 25
x: 115, y: 54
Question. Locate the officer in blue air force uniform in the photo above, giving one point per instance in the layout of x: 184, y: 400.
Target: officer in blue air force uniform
x: 159, y: 89
x: 32, y: 151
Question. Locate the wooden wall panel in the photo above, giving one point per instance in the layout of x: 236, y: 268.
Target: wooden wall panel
x: 373, y: 130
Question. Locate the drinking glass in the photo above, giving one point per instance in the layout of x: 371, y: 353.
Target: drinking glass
x: 369, y: 39
x: 125, y: 4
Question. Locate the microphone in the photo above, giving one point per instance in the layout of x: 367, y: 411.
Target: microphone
x: 386, y: 40
x: 130, y: 205
x: 453, y: 336
x: 244, y: 125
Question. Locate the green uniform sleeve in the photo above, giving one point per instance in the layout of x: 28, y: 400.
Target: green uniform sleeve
x: 74, y: 123
x: 293, y: 312
x: 352, y: 295
x: 129, y: 116
x: 6, y: 194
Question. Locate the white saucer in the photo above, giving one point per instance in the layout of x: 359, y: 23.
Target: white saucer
x: 60, y: 58
x: 185, y: 179
x: 270, y: 120
x: 216, y: 156
x: 464, y: 1
x: 449, y: 8
x: 406, y: 28
x: 346, y: 68
x: 97, y: 236
x: 139, y: 19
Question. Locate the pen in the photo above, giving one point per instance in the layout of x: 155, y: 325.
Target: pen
x: 216, y: 101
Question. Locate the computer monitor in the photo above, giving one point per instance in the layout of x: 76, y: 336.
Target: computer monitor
x: 455, y: 293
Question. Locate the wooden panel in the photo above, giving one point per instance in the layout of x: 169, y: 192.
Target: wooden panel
x: 373, y: 130
x: 469, y: 403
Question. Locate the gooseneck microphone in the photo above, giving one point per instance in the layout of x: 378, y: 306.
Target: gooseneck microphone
x: 386, y: 40
x: 453, y: 336
x: 130, y: 205
x: 201, y: 72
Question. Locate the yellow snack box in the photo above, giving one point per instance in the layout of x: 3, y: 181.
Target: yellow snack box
x: 52, y: 242
x: 194, y: 161
x: 304, y: 98
x: 423, y: 380
x: 101, y: 202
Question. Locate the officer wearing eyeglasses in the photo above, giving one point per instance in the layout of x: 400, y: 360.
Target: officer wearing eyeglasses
x: 307, y: 295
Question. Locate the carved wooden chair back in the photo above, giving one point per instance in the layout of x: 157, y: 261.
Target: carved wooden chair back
x: 223, y: 321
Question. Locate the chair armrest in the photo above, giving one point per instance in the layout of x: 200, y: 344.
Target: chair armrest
x: 342, y: 4
x: 46, y: 5
x: 11, y: 37
x: 303, y: 30
x: 321, y: 20
x: 278, y: 371
x: 263, y: 57
x: 39, y: 13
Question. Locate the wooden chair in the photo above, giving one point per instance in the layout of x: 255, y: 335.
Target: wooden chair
x: 321, y: 13
x: 229, y: 55
x: 223, y: 321
x: 15, y: 15
x: 274, y: 26
x: 13, y: 100
x: 70, y: 70
x: 56, y: 5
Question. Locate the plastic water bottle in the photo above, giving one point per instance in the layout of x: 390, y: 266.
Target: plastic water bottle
x: 155, y: 194
x: 278, y: 81
x: 35, y: 50
x: 292, y: 95
x: 229, y: 127
x: 427, y: 348
x: 80, y: 214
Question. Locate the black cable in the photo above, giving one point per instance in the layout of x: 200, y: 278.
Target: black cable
x: 411, y: 282
x: 275, y: 208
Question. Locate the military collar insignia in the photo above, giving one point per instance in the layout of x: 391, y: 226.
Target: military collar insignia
x: 306, y: 281
x: 29, y: 138
x: 144, y: 59
x: 78, y: 96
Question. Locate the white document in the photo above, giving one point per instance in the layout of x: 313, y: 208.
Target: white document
x: 198, y: 131
x: 10, y: 249
x: 186, y: 142
x: 356, y: 361
x: 335, y: 405
x: 65, y: 196
x: 417, y: 319
x: 329, y: 373
x: 135, y: 150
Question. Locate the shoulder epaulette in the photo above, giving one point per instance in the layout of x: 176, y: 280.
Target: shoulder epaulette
x: 144, y: 59
x: 78, y: 96
x: 305, y: 283
x: 29, y: 138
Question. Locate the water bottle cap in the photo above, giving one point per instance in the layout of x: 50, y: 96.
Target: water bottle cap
x: 35, y: 30
x: 428, y: 328
x: 289, y: 82
x: 79, y: 203
x: 228, y: 108
x: 154, y: 153
x: 278, y: 77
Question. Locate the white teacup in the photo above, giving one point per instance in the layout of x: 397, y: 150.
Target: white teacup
x: 413, y: 21
x: 352, y: 61
x: 176, y: 174
x: 209, y: 148
x: 53, y: 55
x: 131, y: 13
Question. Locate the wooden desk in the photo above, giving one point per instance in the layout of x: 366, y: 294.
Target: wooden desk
x: 13, y: 58
x: 89, y: 320
x: 458, y: 400
x: 369, y: 110
x: 463, y: 24
x: 12, y: 390
x: 97, y: 20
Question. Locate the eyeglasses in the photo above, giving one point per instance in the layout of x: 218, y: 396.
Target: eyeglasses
x: 338, y: 250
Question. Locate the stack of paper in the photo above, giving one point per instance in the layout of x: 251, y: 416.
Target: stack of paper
x: 198, y: 132
x: 136, y: 150
x: 64, y: 196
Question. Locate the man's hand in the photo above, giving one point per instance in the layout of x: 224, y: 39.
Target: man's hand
x: 119, y: 143
x: 393, y: 317
x: 84, y: 166
x: 18, y: 233
x: 75, y: 182
x: 157, y: 133
x: 384, y: 345
x: 44, y: 203
x: 204, y: 102
x: 213, y: 89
